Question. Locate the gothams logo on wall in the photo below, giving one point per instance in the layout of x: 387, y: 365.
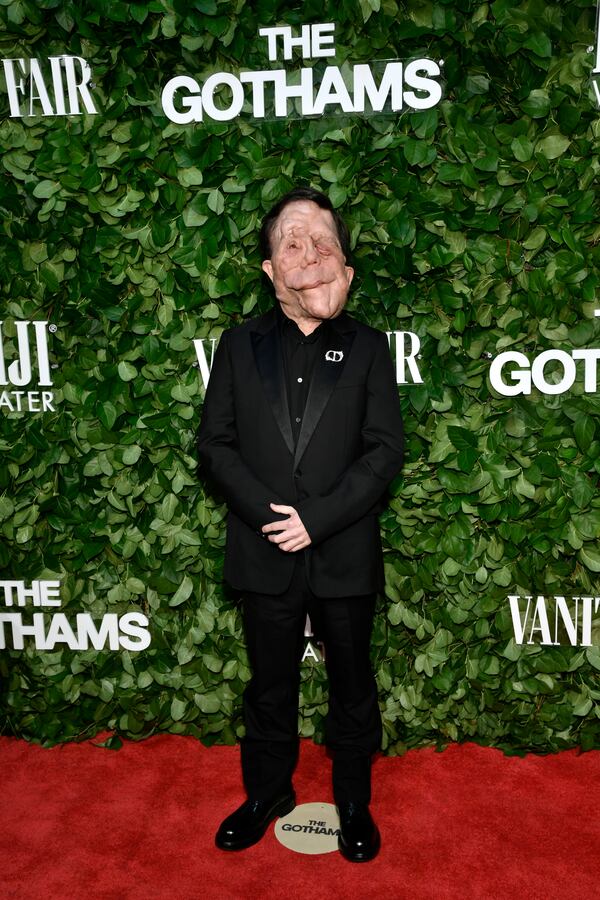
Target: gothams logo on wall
x: 48, y: 631
x: 387, y: 86
x: 551, y: 372
x: 25, y: 363
x: 56, y: 86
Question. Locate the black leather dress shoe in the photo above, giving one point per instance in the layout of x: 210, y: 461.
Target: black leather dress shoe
x: 247, y: 824
x: 359, y: 839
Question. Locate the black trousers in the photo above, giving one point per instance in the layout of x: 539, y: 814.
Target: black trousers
x: 274, y: 626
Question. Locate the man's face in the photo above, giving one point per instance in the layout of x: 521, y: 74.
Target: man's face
x: 307, y: 266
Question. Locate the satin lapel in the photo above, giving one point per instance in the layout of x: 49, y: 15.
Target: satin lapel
x: 267, y: 353
x: 325, y: 377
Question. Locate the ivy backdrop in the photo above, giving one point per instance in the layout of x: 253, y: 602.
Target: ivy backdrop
x: 475, y: 225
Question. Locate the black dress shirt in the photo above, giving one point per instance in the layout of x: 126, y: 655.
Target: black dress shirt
x: 300, y: 352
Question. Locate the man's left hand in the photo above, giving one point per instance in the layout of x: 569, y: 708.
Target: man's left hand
x: 290, y: 534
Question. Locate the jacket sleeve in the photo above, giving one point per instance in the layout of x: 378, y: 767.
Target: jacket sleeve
x: 218, y: 448
x: 362, y: 485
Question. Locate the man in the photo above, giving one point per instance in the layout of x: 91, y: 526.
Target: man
x: 301, y: 431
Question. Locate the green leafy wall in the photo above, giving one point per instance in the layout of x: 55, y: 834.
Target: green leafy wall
x: 475, y: 226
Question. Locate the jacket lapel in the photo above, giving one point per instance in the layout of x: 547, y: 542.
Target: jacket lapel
x: 269, y: 362
x: 325, y: 377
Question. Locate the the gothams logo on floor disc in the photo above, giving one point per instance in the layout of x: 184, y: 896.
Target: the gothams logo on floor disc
x: 310, y: 828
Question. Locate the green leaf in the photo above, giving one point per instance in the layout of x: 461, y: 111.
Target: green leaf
x: 107, y: 689
x: 553, y: 146
x: 190, y: 177
x: 216, y: 201
x: 540, y: 43
x: 582, y: 707
x: 481, y: 575
x: 178, y: 709
x: 536, y: 239
x: 168, y: 507
x: 590, y: 557
x: 537, y: 103
x: 183, y: 591
x: 522, y: 148
x: 461, y: 438
x: 107, y: 414
x: 207, y: 703
x: 6, y: 507
x: 466, y: 459
x: 127, y: 372
x: 418, y: 153
x: 212, y: 662
x: 584, y: 430
x: 131, y: 454
x: 524, y: 487
x: 45, y: 189
x: 592, y: 654
x: 139, y: 13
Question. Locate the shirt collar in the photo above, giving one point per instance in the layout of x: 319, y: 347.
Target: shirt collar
x: 289, y: 327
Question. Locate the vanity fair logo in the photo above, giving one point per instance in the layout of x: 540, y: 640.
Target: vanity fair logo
x: 22, y: 358
x: 126, y: 632
x: 553, y: 621
x: 366, y: 88
x: 404, y: 346
x: 56, y: 86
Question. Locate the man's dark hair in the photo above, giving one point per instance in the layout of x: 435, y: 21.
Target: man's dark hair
x: 302, y: 193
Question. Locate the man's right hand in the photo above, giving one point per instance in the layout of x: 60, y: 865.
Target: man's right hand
x: 289, y: 534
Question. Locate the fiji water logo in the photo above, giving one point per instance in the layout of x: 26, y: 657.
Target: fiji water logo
x: 25, y: 369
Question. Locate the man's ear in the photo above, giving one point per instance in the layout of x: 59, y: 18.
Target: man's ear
x: 267, y: 268
x: 349, y: 274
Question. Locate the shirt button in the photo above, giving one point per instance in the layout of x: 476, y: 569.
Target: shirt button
x: 299, y: 381
x: 298, y: 419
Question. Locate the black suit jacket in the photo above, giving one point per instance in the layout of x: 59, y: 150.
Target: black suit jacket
x: 348, y: 450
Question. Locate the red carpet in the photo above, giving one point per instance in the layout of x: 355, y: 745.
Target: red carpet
x: 82, y: 822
